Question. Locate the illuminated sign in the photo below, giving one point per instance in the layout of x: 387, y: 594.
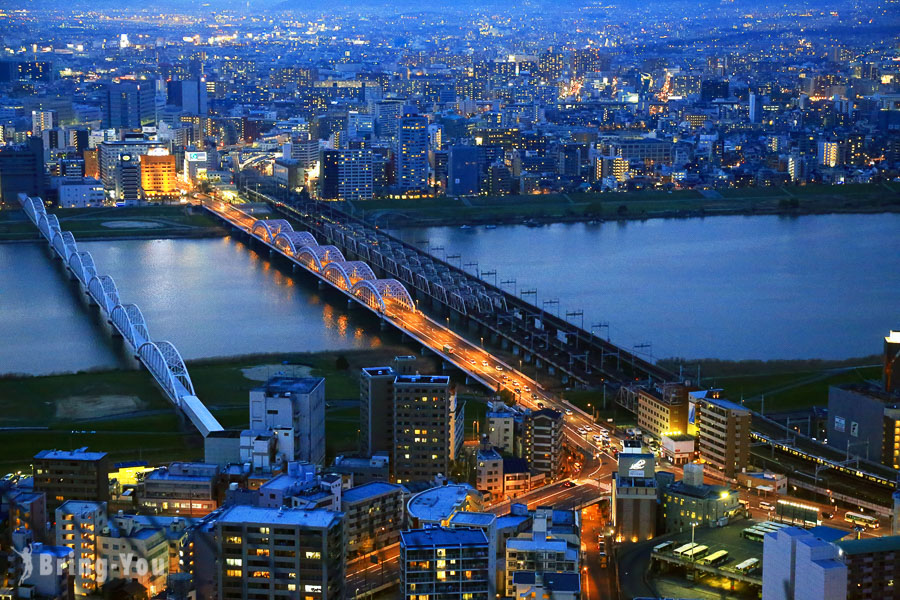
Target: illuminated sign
x: 195, y: 156
x: 636, y: 469
x: 158, y: 151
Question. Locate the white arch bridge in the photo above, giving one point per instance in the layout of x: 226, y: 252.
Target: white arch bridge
x: 161, y: 358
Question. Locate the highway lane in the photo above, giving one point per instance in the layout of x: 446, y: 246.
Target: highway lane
x: 364, y: 574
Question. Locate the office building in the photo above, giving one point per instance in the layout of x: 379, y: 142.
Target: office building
x: 451, y: 564
x: 864, y: 421
x: 691, y: 502
x: 280, y: 553
x: 647, y: 150
x: 71, y: 475
x: 428, y: 427
x: 158, y: 176
x: 185, y: 489
x: 128, y: 180
x: 723, y: 433
x: 463, y: 168
x: 412, y: 152
x: 189, y: 95
x: 374, y: 513
x: 109, y: 156
x: 78, y: 526
x: 634, y: 494
x: 129, y: 105
x: 506, y: 428
x: 346, y: 175
x: 295, y: 404
x: 22, y: 170
x: 86, y: 192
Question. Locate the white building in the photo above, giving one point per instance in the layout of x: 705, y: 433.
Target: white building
x: 797, y: 565
x: 296, y: 404
x: 78, y: 524
x: 86, y: 193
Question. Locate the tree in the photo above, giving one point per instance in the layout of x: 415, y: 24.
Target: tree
x: 342, y: 364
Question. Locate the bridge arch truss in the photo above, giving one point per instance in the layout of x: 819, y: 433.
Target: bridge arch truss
x: 103, y: 290
x: 268, y: 229
x: 167, y: 367
x: 376, y: 293
x: 345, y: 274
x: 82, y: 265
x: 129, y: 320
x: 291, y: 242
x: 316, y: 257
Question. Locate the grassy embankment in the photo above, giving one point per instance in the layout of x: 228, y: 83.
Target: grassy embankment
x: 125, y: 222
x: 124, y: 413
x: 633, y: 205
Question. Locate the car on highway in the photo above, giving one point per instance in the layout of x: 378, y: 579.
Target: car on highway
x: 484, y: 363
x: 527, y: 389
x: 766, y: 506
x: 568, y: 411
x: 499, y: 368
x: 597, y: 439
x: 472, y: 361
x: 540, y: 405
x: 588, y: 428
x: 515, y: 383
x: 534, y: 396
x: 827, y: 516
x: 581, y: 430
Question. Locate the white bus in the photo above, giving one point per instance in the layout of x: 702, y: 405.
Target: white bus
x: 715, y: 559
x: 681, y: 550
x: 748, y: 566
x: 864, y: 520
x: 696, y: 553
x: 664, y: 546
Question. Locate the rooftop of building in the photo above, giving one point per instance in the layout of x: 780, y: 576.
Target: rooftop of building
x: 511, y: 521
x: 369, y: 490
x: 829, y: 534
x: 473, y: 519
x: 488, y: 454
x: 515, y: 465
x: 890, y: 543
x: 281, y: 385
x: 679, y: 437
x: 547, y: 412
x: 376, y: 461
x: 442, y: 537
x: 249, y: 515
x: 78, y: 507
x: 705, y: 491
x: 423, y: 379
x: 554, y: 582
x: 726, y: 404
x: 56, y: 551
x: 78, y: 454
x: 438, y: 503
x: 130, y: 464
x: 378, y: 371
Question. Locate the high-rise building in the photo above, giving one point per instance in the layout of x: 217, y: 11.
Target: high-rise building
x: 43, y: 119
x: 544, y: 445
x: 376, y: 404
x: 109, y: 157
x: 295, y: 405
x: 158, y: 176
x: 22, y: 170
x: 662, y: 409
x: 830, y: 153
x: 269, y: 553
x: 374, y: 513
x: 129, y: 105
x: 189, y: 95
x: 438, y: 562
x: 128, y: 179
x: 346, y: 175
x: 462, y: 171
x: 71, y: 475
x: 723, y: 431
x: 552, y: 546
x: 873, y: 567
x: 412, y: 152
x: 428, y: 427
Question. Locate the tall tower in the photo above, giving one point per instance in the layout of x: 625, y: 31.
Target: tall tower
x: 412, y: 151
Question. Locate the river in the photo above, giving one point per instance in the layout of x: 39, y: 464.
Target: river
x: 755, y: 287
x: 209, y: 297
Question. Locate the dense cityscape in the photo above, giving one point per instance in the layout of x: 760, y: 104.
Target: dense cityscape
x: 397, y: 264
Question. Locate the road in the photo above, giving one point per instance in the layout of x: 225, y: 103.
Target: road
x: 373, y: 570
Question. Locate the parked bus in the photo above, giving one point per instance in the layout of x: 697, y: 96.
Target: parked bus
x: 715, y: 559
x: 748, y: 566
x: 864, y: 520
x: 754, y: 534
x: 664, y: 546
x: 696, y: 553
x: 680, y: 551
